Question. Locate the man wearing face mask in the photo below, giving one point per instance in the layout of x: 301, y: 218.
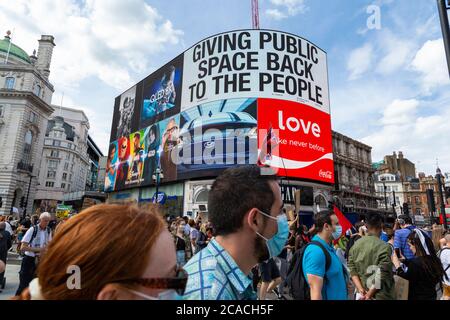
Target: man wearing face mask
x: 245, y: 209
x: 325, y: 283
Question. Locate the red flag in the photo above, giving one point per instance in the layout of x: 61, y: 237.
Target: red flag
x: 343, y: 221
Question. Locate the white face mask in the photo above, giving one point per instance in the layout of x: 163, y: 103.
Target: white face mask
x: 165, y: 295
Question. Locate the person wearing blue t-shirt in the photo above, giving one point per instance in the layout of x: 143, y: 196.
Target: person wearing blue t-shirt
x: 325, y: 284
x: 401, y: 246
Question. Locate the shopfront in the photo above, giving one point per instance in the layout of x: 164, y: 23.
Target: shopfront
x: 170, y: 198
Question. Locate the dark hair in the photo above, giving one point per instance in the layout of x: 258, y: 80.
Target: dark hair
x: 430, y: 263
x: 321, y: 218
x: 405, y: 218
x: 236, y: 191
x: 374, y: 220
x: 358, y: 225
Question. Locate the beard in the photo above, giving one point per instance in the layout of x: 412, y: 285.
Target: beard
x: 261, y: 251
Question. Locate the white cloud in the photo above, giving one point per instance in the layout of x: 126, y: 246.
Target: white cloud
x: 108, y: 39
x: 400, y: 112
x: 275, y: 14
x: 286, y: 8
x: 397, y: 52
x: 421, y: 138
x: 430, y: 62
x: 359, y: 61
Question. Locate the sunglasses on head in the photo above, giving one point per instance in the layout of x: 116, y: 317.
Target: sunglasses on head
x: 178, y: 283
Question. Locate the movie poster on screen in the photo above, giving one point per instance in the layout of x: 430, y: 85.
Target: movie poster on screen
x: 255, y: 63
x: 217, y: 135
x: 111, y: 166
x: 169, y: 132
x: 136, y: 159
x: 301, y: 136
x: 123, y: 115
x: 162, y: 92
x: 152, y: 143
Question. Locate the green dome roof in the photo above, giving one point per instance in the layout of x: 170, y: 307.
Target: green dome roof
x: 14, y: 50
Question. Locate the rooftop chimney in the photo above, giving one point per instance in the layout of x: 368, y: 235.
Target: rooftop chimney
x: 400, y: 155
x: 44, y: 56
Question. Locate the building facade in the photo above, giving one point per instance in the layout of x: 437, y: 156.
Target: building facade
x: 25, y: 107
x: 416, y: 197
x: 65, y: 164
x: 354, y: 190
x: 397, y: 165
x: 389, y: 188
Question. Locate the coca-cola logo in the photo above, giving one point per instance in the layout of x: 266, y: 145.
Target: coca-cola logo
x: 325, y: 174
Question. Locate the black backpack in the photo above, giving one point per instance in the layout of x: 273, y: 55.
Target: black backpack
x: 296, y: 282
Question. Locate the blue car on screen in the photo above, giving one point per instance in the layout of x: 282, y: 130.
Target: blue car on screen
x: 214, y: 141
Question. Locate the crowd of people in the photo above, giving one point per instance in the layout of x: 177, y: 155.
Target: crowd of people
x: 248, y: 248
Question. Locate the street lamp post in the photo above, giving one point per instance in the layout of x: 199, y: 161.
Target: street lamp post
x: 394, y: 204
x: 384, y: 188
x: 26, y: 201
x: 441, y: 196
x: 157, y: 176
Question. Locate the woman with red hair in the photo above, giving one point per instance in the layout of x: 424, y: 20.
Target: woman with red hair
x: 109, y: 252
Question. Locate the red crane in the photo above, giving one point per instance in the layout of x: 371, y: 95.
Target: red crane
x: 255, y: 14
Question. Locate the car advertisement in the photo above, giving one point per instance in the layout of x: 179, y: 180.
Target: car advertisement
x: 217, y: 135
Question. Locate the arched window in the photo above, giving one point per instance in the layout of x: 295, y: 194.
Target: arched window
x: 37, y: 90
x: 9, y: 82
x: 202, y: 196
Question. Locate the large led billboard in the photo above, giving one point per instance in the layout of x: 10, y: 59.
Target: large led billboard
x: 240, y: 97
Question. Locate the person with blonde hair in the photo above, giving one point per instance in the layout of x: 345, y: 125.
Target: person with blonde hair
x: 96, y: 254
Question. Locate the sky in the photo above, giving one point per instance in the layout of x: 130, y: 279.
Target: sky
x: 389, y: 84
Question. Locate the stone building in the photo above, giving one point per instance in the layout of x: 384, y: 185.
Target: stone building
x: 392, y: 198
x: 354, y: 185
x: 416, y: 197
x: 25, y: 106
x: 397, y: 165
x: 65, y: 164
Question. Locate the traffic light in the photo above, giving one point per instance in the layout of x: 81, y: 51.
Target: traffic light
x: 430, y: 200
x: 405, y: 208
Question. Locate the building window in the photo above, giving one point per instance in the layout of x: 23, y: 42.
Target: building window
x: 63, y: 185
x: 417, y: 200
x: 53, y: 164
x: 56, y: 143
x: 33, y: 117
x: 66, y: 166
x: 51, y: 174
x: 28, y: 142
x: 50, y: 184
x: 9, y: 83
x: 2, y: 111
x: 70, y: 177
x: 37, y: 90
x: 64, y: 176
x: 54, y: 153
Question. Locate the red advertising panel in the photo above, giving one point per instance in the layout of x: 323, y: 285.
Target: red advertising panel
x: 302, y: 135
